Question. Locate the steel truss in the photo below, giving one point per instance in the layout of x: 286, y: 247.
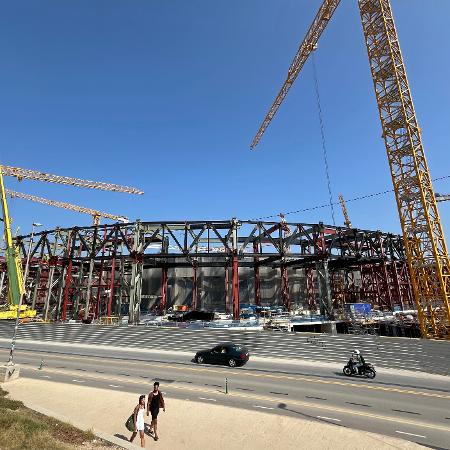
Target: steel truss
x: 85, y: 272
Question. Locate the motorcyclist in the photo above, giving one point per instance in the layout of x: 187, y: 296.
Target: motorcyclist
x: 356, y: 361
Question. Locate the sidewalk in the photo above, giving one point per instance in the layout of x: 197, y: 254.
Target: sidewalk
x: 191, y: 425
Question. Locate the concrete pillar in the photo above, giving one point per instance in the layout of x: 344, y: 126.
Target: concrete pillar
x: 330, y: 328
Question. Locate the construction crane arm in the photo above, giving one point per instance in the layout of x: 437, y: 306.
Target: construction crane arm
x: 442, y: 197
x: 347, y: 221
x: 309, y: 43
x: 94, y: 213
x: 21, y: 174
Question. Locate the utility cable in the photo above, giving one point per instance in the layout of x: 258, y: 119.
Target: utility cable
x: 354, y: 199
x: 322, y: 134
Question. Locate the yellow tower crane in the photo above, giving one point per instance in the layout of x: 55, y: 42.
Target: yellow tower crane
x: 347, y: 222
x: 425, y: 246
x: 96, y: 215
x: 29, y: 174
x: 16, y: 285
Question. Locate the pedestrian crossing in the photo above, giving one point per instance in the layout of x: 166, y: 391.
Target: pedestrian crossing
x: 390, y: 352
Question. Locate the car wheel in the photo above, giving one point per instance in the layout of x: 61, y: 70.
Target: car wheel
x: 200, y: 360
x: 232, y: 363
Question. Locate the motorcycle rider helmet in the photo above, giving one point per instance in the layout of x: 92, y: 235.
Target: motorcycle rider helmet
x: 356, y: 352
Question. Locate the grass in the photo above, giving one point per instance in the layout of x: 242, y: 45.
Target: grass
x: 22, y: 428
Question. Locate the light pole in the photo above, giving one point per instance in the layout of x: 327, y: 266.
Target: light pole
x: 27, y: 264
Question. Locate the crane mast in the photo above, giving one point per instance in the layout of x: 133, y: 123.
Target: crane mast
x: 425, y: 246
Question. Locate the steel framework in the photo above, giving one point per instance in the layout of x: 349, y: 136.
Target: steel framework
x: 94, y: 271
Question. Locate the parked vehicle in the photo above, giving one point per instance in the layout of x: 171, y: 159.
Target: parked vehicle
x: 366, y: 369
x: 226, y: 354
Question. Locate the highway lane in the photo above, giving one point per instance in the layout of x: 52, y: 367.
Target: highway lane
x: 387, y: 405
x: 403, y: 379
x: 409, y: 354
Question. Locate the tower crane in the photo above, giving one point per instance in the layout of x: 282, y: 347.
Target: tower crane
x: 13, y: 263
x: 425, y: 246
x: 347, y: 222
x: 29, y: 174
x: 96, y: 215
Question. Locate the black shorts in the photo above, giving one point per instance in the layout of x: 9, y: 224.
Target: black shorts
x: 154, y: 413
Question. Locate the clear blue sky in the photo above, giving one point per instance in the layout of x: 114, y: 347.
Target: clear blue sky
x: 167, y: 95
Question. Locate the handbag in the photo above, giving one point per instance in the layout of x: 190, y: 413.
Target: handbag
x: 129, y: 424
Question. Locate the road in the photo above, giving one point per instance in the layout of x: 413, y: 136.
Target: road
x: 403, y: 353
x: 406, y: 405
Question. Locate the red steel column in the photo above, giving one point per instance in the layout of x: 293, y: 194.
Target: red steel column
x: 164, y: 280
x: 194, y: 288
x: 235, y: 282
x: 111, y: 285
x: 67, y: 282
x: 257, y: 277
x: 309, y: 274
x: 285, y: 288
x: 227, y: 290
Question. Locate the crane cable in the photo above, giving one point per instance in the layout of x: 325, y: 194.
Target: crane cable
x: 322, y: 134
x: 354, y: 199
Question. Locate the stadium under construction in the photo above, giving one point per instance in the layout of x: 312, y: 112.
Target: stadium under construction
x: 130, y: 269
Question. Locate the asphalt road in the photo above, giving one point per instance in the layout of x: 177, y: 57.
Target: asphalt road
x: 410, y: 406
x: 403, y: 353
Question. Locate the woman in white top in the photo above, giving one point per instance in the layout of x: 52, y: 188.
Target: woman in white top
x: 139, y: 420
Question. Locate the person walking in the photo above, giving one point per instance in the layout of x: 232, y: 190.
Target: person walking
x: 139, y: 420
x: 154, y: 402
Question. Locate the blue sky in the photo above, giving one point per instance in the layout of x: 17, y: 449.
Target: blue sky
x: 167, y: 95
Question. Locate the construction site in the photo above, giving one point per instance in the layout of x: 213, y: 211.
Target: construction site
x: 312, y: 276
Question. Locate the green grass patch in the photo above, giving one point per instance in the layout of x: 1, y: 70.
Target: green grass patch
x: 23, y: 428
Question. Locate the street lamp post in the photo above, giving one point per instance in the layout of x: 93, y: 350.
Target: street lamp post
x: 27, y: 264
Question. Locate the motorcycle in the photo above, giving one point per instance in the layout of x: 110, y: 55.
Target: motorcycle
x: 366, y: 369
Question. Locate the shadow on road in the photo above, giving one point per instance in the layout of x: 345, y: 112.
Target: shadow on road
x: 284, y: 407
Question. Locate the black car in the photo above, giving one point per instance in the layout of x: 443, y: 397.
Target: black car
x: 228, y: 354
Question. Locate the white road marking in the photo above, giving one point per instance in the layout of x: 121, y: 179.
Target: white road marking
x: 78, y: 381
x: 328, y: 418
x: 45, y: 376
x: 411, y: 434
x: 209, y: 399
x: 114, y: 385
x: 262, y: 407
